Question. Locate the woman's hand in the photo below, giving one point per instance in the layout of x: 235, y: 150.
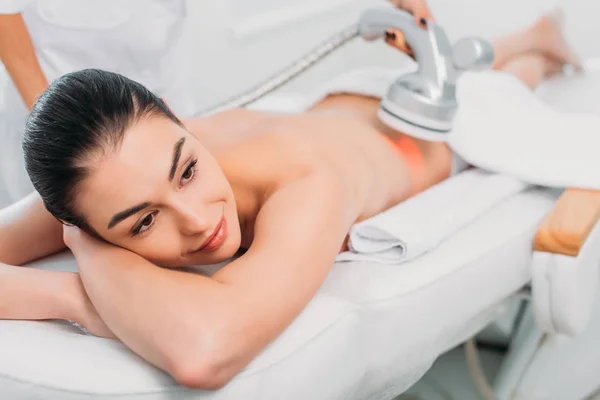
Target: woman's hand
x: 88, y: 317
x: 73, y: 237
x: 418, y: 8
x: 86, y: 314
x: 79, y: 241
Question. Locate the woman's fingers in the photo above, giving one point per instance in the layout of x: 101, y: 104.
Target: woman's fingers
x: 71, y: 235
x: 75, y: 238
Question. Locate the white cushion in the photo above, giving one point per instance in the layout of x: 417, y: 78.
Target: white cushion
x: 371, y: 331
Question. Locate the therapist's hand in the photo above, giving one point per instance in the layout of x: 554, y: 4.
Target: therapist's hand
x: 418, y: 8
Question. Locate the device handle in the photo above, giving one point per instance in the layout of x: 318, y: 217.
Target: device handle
x: 430, y: 46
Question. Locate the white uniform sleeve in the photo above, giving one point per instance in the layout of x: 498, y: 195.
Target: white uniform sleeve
x: 13, y: 6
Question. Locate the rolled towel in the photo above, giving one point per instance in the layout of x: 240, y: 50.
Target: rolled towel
x: 503, y: 126
x: 419, y: 224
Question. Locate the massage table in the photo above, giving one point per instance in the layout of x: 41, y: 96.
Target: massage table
x: 373, y: 330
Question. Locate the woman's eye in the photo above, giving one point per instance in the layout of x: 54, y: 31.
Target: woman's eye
x: 145, y: 224
x: 188, y: 174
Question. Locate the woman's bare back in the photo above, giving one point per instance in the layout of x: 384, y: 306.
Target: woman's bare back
x: 256, y: 149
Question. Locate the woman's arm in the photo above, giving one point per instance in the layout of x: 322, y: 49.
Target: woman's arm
x: 28, y: 293
x: 35, y: 294
x: 28, y: 232
x: 203, y: 331
x: 18, y: 55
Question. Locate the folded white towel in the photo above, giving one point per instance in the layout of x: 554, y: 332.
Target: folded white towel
x: 419, y: 224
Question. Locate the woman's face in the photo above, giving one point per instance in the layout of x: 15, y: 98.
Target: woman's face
x: 162, y: 196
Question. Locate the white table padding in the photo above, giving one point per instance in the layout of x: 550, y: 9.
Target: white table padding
x: 370, y: 332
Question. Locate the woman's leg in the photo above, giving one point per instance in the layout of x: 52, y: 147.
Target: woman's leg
x: 532, y: 68
x: 544, y: 36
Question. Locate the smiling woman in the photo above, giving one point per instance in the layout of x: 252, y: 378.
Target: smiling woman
x: 109, y: 157
x: 103, y: 129
x: 156, y: 208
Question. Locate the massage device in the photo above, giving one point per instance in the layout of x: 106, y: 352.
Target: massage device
x: 422, y: 103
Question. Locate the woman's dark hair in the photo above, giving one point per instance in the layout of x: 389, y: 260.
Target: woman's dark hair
x: 80, y: 113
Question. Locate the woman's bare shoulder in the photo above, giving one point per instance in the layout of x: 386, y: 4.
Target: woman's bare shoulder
x: 270, y: 156
x: 227, y: 128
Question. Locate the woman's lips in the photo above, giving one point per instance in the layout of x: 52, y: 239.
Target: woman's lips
x: 216, y: 239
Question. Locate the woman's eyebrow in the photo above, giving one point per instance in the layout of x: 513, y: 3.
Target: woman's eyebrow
x: 118, y: 217
x: 176, y: 156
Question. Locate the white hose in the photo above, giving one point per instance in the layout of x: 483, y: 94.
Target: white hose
x: 288, y: 73
x: 474, y: 366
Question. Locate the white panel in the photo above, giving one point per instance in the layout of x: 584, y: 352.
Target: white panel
x: 226, y: 61
x: 256, y: 16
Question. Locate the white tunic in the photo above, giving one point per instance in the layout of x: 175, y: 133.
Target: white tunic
x: 136, y: 38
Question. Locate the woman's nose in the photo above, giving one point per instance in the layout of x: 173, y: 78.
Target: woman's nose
x: 192, y: 222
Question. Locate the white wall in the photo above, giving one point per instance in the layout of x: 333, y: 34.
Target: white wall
x: 226, y: 56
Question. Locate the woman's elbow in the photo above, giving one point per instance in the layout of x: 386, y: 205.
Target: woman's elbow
x: 201, y: 374
x: 203, y: 358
